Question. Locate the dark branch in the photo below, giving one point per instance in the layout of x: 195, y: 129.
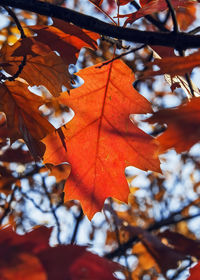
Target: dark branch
x: 166, y: 222
x: 177, y: 41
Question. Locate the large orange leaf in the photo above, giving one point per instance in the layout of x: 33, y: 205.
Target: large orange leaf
x: 101, y: 139
x: 29, y: 257
x: 23, y: 117
x: 183, y: 126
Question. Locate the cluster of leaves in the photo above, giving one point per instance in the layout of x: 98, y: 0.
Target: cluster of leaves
x: 87, y: 153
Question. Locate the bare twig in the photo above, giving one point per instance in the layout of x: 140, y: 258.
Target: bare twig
x: 7, y: 209
x: 78, y: 221
x: 181, y: 52
x: 173, y: 15
x: 17, y: 22
x: 121, y: 55
x: 53, y: 210
x: 117, y: 233
x: 35, y: 204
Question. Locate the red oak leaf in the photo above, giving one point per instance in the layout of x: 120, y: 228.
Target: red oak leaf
x: 101, y: 140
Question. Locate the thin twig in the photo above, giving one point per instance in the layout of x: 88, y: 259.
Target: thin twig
x: 35, y: 204
x: 173, y: 15
x: 53, y: 211
x: 181, y: 52
x: 17, y: 22
x: 117, y: 233
x: 194, y: 31
x: 7, y: 209
x: 187, y: 76
x: 78, y: 221
x: 121, y: 55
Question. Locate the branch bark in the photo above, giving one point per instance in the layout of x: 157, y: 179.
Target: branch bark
x: 171, y: 39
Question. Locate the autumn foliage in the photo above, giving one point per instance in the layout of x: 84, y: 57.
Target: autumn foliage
x: 77, y: 109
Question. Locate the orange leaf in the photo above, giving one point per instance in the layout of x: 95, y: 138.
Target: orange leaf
x: 186, y: 16
x: 183, y: 126
x: 101, y: 139
x: 173, y: 65
x: 154, y: 6
x: 23, y: 117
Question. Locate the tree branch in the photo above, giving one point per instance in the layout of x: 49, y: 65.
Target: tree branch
x: 166, y: 222
x: 177, y: 41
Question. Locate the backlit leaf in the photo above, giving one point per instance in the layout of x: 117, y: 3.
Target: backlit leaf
x: 101, y: 140
x: 23, y: 117
x: 154, y: 6
x: 182, y: 126
x: 48, y: 70
x: 65, y: 38
x: 173, y: 65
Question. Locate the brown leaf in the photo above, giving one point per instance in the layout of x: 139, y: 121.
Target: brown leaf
x: 65, y: 38
x: 182, y: 243
x: 23, y: 117
x: 48, y: 70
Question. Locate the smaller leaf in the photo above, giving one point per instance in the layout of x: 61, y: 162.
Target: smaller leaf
x: 65, y: 38
x: 47, y: 69
x: 24, y: 120
x: 153, y: 6
x: 183, y: 126
x: 173, y: 65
